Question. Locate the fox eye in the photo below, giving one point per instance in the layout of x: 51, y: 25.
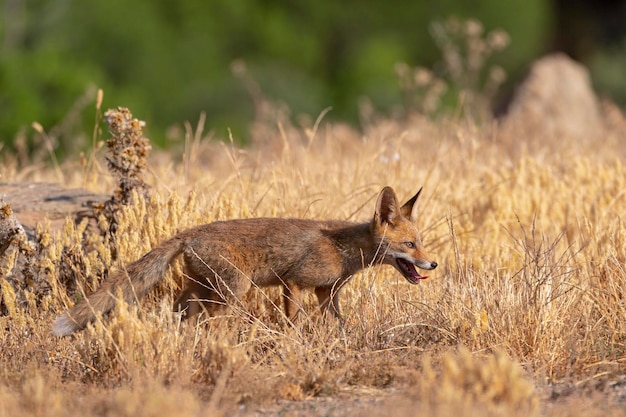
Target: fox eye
x: 409, y: 244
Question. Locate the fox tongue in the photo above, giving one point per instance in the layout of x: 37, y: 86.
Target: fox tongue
x: 409, y: 271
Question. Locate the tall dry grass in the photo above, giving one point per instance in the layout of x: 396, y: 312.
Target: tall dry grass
x: 526, y: 306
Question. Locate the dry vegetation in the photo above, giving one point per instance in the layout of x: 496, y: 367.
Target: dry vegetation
x: 525, y: 315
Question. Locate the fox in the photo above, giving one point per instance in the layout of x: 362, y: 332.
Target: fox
x: 223, y: 260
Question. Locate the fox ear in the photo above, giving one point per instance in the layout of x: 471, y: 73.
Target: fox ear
x: 409, y: 209
x: 386, y: 207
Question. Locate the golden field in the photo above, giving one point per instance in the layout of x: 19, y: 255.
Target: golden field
x: 525, y: 315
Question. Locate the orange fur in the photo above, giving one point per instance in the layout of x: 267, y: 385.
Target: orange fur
x: 224, y: 259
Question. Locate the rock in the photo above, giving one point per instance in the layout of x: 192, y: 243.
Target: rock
x: 26, y: 277
x: 555, y: 100
x: 31, y: 203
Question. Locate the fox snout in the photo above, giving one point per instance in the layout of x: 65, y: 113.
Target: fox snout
x: 428, y: 265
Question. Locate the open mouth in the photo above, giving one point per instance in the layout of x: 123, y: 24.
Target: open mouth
x: 408, y: 271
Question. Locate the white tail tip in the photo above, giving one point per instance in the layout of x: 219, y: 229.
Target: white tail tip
x: 63, y: 326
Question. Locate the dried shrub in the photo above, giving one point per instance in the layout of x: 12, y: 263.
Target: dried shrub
x: 126, y: 160
x: 463, y: 70
x: 128, y: 150
x: 20, y: 283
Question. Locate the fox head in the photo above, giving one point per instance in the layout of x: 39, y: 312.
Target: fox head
x: 399, y: 239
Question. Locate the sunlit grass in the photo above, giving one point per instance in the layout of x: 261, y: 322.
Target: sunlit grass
x: 529, y: 294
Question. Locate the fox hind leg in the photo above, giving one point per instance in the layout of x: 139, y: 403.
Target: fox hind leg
x: 197, y: 297
x: 211, y: 296
x: 328, y: 298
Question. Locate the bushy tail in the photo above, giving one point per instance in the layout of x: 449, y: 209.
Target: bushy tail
x: 133, y: 282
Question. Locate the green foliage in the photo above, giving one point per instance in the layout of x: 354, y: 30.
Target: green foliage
x: 170, y: 61
x: 607, y: 69
x: 36, y: 87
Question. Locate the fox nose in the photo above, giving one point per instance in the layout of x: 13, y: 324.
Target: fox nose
x: 433, y: 264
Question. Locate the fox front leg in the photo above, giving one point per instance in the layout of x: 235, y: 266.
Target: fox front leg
x: 328, y: 298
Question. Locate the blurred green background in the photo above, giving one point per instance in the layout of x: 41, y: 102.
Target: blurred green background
x: 168, y: 61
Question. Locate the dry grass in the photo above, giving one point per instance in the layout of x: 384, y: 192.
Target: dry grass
x: 524, y: 316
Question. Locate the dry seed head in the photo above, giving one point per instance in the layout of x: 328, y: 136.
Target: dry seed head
x: 192, y: 200
x: 497, y: 74
x: 26, y: 246
x: 38, y: 127
x: 422, y: 77
x: 99, y: 97
x: 473, y: 28
x: 174, y: 209
x: 498, y: 39
x: 8, y: 297
x: 5, y: 210
x: 44, y: 239
x: 127, y: 145
x: 31, y: 299
x: 47, y: 264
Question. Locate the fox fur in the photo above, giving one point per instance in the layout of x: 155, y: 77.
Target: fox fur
x: 224, y: 259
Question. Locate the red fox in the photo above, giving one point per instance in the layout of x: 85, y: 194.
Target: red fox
x: 224, y: 259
